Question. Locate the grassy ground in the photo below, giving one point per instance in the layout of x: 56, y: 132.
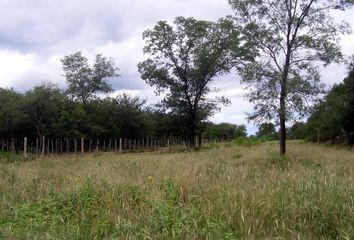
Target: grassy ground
x: 221, y: 192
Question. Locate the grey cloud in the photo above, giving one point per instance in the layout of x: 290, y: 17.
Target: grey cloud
x: 50, y: 29
x: 40, y: 25
x: 129, y: 82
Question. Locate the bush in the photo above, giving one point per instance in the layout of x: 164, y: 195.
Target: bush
x: 248, y: 142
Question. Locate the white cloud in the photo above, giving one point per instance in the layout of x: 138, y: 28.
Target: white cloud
x: 13, y: 66
x: 23, y: 71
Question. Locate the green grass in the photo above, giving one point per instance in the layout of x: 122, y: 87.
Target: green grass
x: 229, y: 191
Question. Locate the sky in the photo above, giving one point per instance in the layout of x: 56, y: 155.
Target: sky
x: 36, y: 34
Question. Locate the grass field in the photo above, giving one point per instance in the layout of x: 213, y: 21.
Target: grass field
x: 220, y: 192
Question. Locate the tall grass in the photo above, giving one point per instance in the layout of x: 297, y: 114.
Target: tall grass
x: 230, y: 191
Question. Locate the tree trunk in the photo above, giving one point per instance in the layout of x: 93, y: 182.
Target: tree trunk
x: 318, y: 135
x: 192, y: 139
x: 13, y: 148
x: 282, y: 127
x: 199, y: 140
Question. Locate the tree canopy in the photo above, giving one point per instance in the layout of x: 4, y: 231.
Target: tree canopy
x: 85, y: 81
x: 292, y: 37
x: 184, y: 60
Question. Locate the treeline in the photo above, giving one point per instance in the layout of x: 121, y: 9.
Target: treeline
x: 333, y: 118
x: 47, y: 110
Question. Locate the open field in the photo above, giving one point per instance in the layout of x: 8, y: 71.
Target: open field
x: 220, y: 192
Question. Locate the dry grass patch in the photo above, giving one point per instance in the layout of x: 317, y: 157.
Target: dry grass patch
x: 221, y: 192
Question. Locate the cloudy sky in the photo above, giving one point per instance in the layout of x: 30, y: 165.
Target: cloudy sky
x: 36, y: 34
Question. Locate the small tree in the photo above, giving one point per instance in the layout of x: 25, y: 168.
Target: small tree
x: 84, y: 81
x: 292, y: 36
x: 185, y: 59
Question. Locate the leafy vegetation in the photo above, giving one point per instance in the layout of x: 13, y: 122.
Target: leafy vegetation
x: 292, y: 38
x: 267, y: 131
x: 84, y: 81
x: 184, y: 60
x: 333, y: 118
x: 225, y: 131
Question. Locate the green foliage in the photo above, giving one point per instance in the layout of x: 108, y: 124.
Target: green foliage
x: 47, y: 111
x: 297, y: 131
x: 333, y: 118
x: 185, y: 59
x: 11, y: 112
x: 42, y: 105
x: 292, y: 37
x: 267, y: 131
x: 225, y: 131
x: 10, y: 157
x: 85, y: 81
x: 248, y: 141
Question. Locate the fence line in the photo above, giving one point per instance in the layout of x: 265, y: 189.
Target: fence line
x: 46, y: 145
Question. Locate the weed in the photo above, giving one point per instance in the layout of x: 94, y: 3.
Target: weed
x: 248, y: 142
x: 241, y: 191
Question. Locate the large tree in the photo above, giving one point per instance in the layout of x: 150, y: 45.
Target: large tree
x: 292, y: 36
x: 85, y: 81
x: 184, y: 61
x: 42, y: 105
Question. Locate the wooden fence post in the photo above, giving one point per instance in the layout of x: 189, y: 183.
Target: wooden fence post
x: 52, y: 143
x: 48, y: 146
x: 75, y: 145
x: 67, y: 145
x: 110, y: 145
x: 37, y: 146
x: 43, y: 145
x: 25, y: 146
x: 82, y: 146
x: 97, y: 143
x: 120, y: 145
